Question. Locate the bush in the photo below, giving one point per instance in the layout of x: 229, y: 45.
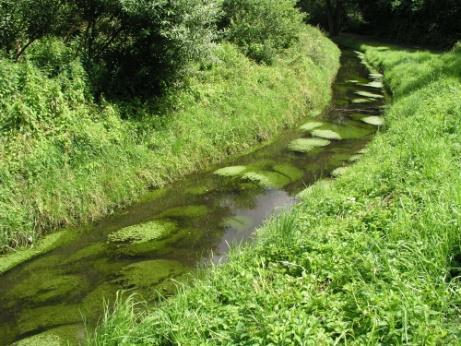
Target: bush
x: 261, y: 28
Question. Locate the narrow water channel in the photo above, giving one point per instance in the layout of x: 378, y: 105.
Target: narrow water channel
x: 143, y: 247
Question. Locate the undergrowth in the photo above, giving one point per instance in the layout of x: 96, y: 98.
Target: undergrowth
x: 66, y: 159
x: 365, y: 260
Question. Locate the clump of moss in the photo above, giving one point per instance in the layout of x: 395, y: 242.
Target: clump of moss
x: 43, y: 286
x: 373, y: 120
x: 326, y: 134
x: 149, y: 273
x: 311, y: 125
x: 48, y: 243
x: 305, y: 145
x: 142, y: 233
x: 65, y: 335
x: 292, y: 172
x: 31, y: 320
x: 93, y: 250
x: 231, y: 171
x: 267, y: 179
x: 190, y: 211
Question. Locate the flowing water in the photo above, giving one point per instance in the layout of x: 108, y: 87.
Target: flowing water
x: 193, y: 221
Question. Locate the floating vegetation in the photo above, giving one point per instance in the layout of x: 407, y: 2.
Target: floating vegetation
x: 43, y: 286
x: 352, y: 81
x: 311, y: 125
x: 373, y: 120
x: 369, y: 94
x: 146, y: 238
x: 190, y: 211
x: 292, y: 172
x: 377, y: 84
x: 267, y: 179
x: 326, y: 134
x: 363, y: 100
x: 305, y: 145
x: 230, y: 171
x: 65, y: 335
x: 50, y: 316
x: 349, y: 130
x: 198, y: 190
x: 93, y: 250
x: 376, y: 75
x: 43, y: 246
x: 148, y: 274
x: 144, y: 232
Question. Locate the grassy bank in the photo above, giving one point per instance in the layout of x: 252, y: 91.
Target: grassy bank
x: 371, y: 258
x: 65, y: 159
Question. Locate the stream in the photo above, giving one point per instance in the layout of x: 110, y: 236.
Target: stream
x: 192, y: 222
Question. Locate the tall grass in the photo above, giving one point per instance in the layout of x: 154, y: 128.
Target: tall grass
x: 65, y: 159
x: 366, y: 260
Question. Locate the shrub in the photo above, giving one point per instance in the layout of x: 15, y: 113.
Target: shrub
x: 261, y: 28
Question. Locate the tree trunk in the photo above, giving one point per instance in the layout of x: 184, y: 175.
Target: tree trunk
x: 334, y: 14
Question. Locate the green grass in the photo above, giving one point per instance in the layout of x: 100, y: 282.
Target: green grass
x: 372, y: 258
x: 65, y: 159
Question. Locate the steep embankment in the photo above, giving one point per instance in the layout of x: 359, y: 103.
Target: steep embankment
x: 372, y: 258
x: 64, y: 159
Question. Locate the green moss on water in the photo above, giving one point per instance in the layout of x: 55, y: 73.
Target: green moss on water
x: 361, y: 100
x: 30, y: 320
x: 42, y: 286
x: 107, y: 265
x: 368, y: 94
x: 154, y: 195
x: 198, y: 190
x: 43, y: 246
x: 142, y: 233
x: 190, y: 211
x: 305, y: 145
x: 375, y: 84
x: 145, y: 276
x: 326, y: 134
x: 267, y: 179
x: 292, y: 172
x: 93, y: 250
x: 374, y: 120
x: 61, y: 336
x: 92, y: 305
x: 154, y: 236
x: 231, y: 171
x: 349, y: 130
x: 311, y: 125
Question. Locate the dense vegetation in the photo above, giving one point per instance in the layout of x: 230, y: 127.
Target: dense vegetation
x: 432, y: 22
x: 101, y: 99
x: 372, y: 258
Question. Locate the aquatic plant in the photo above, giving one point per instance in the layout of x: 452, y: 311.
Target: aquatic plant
x: 305, y: 145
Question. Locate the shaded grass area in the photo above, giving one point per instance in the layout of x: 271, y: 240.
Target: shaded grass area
x: 368, y: 259
x: 65, y: 159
